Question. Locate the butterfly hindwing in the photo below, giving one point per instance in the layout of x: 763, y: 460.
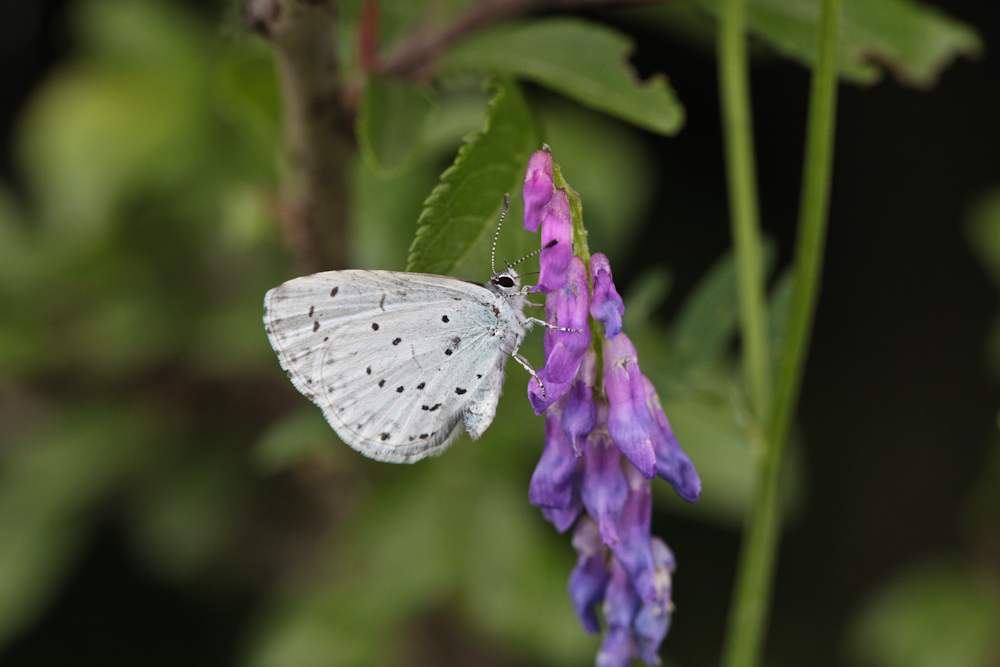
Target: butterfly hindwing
x: 394, y: 360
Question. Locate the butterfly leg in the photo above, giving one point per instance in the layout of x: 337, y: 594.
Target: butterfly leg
x: 535, y: 320
x: 527, y: 366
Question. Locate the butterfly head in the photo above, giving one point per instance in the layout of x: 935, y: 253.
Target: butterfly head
x: 505, y: 282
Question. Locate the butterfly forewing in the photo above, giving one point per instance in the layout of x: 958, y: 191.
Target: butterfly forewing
x: 392, y: 359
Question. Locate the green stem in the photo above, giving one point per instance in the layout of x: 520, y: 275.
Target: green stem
x: 743, y: 210
x: 751, y: 605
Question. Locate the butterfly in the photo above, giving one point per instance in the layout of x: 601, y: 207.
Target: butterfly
x: 400, y: 362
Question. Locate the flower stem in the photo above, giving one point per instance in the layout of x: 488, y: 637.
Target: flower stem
x: 734, y: 89
x: 751, y: 603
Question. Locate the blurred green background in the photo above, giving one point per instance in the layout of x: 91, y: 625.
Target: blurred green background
x: 166, y: 497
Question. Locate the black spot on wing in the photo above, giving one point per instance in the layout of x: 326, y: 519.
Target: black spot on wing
x: 444, y: 318
x: 448, y: 352
x: 374, y: 326
x: 368, y: 370
x: 421, y: 385
x: 423, y: 436
x: 399, y: 389
x: 381, y: 383
x: 460, y: 391
x: 381, y: 303
x: 384, y: 436
x: 312, y: 309
x: 397, y: 341
x: 316, y: 326
x: 479, y: 375
x: 334, y: 291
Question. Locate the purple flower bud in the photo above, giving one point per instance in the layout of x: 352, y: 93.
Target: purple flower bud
x: 538, y: 188
x: 590, y: 576
x: 557, y: 244
x: 630, y: 423
x: 672, y: 463
x: 633, y: 549
x: 603, y: 488
x: 653, y: 620
x: 552, y: 484
x: 607, y: 307
x: 564, y: 350
x: 580, y: 415
x: 620, y: 606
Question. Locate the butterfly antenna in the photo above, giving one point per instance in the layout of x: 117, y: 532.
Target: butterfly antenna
x: 503, y: 214
x: 532, y: 254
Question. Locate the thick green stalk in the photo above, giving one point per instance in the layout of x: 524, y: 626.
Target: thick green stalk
x: 751, y: 603
x: 734, y: 89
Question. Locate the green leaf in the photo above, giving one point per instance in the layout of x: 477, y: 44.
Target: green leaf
x: 913, y: 41
x: 937, y: 614
x: 582, y: 60
x: 462, y: 207
x: 706, y: 323
x: 644, y: 296
x: 391, y: 123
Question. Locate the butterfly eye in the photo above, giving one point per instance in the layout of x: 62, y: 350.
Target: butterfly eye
x: 505, y: 281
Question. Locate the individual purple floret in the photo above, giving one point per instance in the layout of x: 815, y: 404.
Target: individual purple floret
x: 607, y: 307
x: 630, y: 422
x: 563, y: 519
x: 653, y: 620
x: 538, y: 188
x: 633, y: 548
x: 557, y: 244
x: 564, y: 350
x: 620, y: 607
x: 554, y: 480
x: 603, y: 488
x: 590, y: 576
x: 580, y: 416
x: 672, y: 464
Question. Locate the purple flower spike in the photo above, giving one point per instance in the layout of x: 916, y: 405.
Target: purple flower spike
x: 620, y: 606
x: 538, y: 188
x: 552, y: 484
x: 633, y: 549
x: 630, y: 422
x: 608, y: 306
x: 672, y: 463
x: 603, y: 488
x: 557, y: 244
x: 653, y: 620
x: 590, y: 576
x: 564, y: 350
x: 580, y: 415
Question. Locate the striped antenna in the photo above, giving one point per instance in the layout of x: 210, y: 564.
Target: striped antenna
x: 532, y: 254
x: 503, y: 213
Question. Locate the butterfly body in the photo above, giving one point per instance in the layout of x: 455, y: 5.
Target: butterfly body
x: 398, y: 361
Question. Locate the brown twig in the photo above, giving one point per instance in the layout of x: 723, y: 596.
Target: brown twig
x: 313, y: 204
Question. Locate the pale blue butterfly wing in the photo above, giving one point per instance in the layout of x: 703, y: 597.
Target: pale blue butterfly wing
x: 397, y: 361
